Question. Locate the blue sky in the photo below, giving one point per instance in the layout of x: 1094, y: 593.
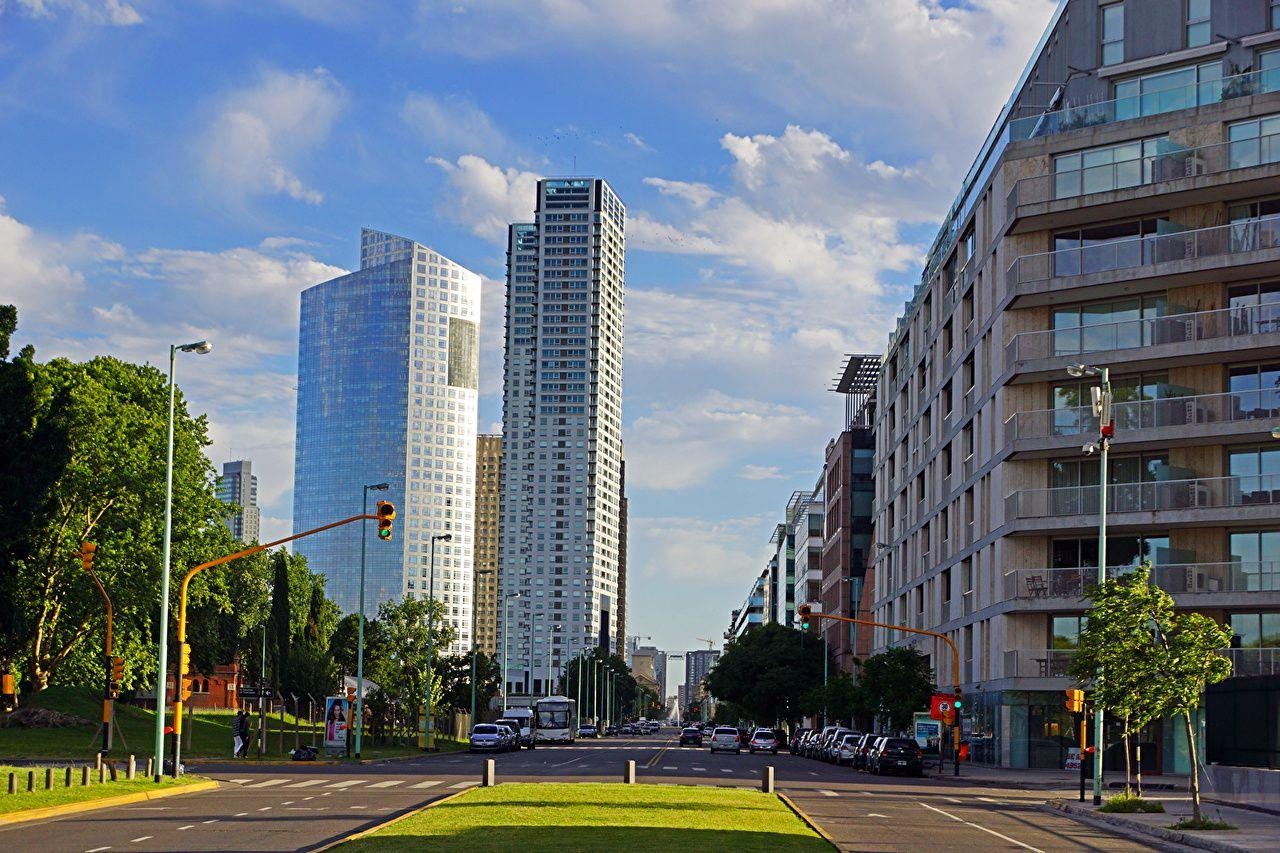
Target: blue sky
x: 178, y: 170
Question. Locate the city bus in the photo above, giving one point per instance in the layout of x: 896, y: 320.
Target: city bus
x: 553, y: 720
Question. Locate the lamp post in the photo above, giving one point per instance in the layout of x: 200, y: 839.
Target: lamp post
x: 359, y: 714
x: 162, y: 658
x: 506, y: 677
x: 1106, y: 431
x: 431, y: 634
x: 475, y: 645
x: 550, y: 672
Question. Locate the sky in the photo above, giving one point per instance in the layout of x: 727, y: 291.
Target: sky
x: 171, y: 171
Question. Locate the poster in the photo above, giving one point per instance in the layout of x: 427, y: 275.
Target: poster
x: 927, y: 732
x: 1073, y: 758
x: 335, y: 722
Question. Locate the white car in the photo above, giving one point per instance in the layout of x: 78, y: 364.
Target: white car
x: 763, y: 741
x: 725, y: 739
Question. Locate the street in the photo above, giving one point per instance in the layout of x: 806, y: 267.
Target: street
x: 300, y: 807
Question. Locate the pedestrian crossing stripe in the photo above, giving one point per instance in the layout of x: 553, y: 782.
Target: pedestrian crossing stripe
x: 267, y: 784
x: 430, y: 783
x: 465, y: 785
x: 308, y: 783
x: 389, y: 784
x: 347, y: 784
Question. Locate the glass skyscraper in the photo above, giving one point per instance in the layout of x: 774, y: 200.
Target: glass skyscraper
x: 387, y: 388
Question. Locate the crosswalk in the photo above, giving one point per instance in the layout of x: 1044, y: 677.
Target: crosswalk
x: 345, y: 785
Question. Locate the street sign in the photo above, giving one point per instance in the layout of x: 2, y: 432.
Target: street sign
x: 257, y: 692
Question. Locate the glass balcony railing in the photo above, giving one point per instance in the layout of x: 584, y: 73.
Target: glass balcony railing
x: 1170, y: 165
x: 1038, y: 663
x: 1205, y: 493
x: 1145, y: 104
x: 1220, y: 241
x: 1145, y: 332
x: 1255, y: 661
x: 1147, y: 414
x: 1176, y: 579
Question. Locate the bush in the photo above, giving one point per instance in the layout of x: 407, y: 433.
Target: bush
x: 1202, y: 824
x: 1130, y: 804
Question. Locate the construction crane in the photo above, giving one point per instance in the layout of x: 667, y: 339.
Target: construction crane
x: 711, y: 644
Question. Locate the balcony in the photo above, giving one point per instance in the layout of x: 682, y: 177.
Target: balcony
x: 1193, y: 338
x: 1240, y: 416
x: 1056, y: 588
x: 1038, y: 663
x: 1256, y: 661
x: 1178, y: 177
x: 1240, y: 250
x: 1209, y: 500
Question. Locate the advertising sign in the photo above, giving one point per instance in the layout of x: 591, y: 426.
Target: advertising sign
x: 336, y: 714
x: 1073, y: 758
x: 926, y: 731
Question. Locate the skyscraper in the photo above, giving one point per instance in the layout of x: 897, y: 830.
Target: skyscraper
x: 387, y: 377
x: 562, y: 428
x: 488, y: 492
x: 239, y: 485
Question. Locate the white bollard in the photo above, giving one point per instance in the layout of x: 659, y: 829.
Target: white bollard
x: 766, y: 780
x: 486, y: 780
x: 629, y: 775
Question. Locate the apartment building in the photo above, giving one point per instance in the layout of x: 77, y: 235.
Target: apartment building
x: 1124, y: 212
x: 487, y: 532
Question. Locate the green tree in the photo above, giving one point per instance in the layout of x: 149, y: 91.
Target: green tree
x: 893, y: 685
x: 769, y: 672
x: 455, y: 678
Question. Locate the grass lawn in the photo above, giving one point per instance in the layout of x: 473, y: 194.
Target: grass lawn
x: 563, y: 817
x: 58, y: 795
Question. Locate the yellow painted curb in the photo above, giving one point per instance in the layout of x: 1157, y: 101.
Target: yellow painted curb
x: 808, y: 821
x: 104, y: 802
x: 378, y: 827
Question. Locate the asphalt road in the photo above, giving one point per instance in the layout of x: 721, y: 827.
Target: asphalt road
x: 300, y: 806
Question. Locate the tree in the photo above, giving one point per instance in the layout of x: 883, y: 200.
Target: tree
x: 455, y: 678
x: 893, y: 685
x: 768, y: 672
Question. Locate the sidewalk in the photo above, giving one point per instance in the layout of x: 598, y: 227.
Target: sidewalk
x: 1254, y: 830
x: 1054, y: 780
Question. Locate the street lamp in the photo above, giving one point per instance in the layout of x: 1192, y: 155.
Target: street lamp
x: 506, y: 678
x: 162, y: 662
x: 359, y: 715
x: 550, y: 677
x: 475, y: 644
x: 1106, y: 431
x: 431, y: 635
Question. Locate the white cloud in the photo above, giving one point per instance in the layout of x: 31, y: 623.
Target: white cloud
x: 262, y: 135
x: 487, y: 198
x: 113, y: 13
x: 39, y: 273
x: 637, y: 141
x: 696, y: 194
x: 761, y: 472
x: 452, y: 125
x: 702, y: 551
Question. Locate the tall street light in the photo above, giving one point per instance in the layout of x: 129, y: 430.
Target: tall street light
x: 506, y: 676
x: 551, y: 631
x: 359, y: 715
x: 431, y: 634
x: 1106, y: 431
x: 475, y: 645
x: 162, y: 662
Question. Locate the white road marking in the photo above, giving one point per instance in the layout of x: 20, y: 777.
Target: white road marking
x: 868, y: 793
x: 307, y: 784
x: 215, y: 820
x: 236, y: 781
x: 989, y: 800
x: 700, y: 769
x: 390, y: 784
x: 267, y: 784
x: 952, y: 800
x: 346, y: 784
x: 876, y: 814
x: 725, y: 770
x: 430, y: 784
x: 265, y: 809
x: 826, y: 793
x: 97, y: 849
x: 669, y: 767
x: 188, y: 826
x: 240, y: 814
x: 143, y: 838
x: 465, y: 785
x: 811, y: 773
x: 563, y: 763
x: 359, y: 807
x: 983, y: 828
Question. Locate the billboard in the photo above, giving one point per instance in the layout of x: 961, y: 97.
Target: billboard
x: 336, y: 714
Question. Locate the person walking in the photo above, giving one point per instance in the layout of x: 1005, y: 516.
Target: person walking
x: 243, y: 727
x: 236, y: 743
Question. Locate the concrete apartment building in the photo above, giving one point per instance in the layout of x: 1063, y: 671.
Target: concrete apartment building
x: 488, y: 501
x: 1123, y: 212
x: 239, y: 485
x: 561, y: 514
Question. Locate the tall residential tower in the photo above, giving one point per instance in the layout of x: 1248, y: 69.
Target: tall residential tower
x: 387, y: 377
x: 239, y: 485
x: 562, y: 429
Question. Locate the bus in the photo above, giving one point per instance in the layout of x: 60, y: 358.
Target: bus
x: 553, y: 719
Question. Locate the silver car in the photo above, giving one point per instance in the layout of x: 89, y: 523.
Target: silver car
x: 725, y: 739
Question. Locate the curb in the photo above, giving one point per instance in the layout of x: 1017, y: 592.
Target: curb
x: 1187, y: 839
x: 103, y: 803
x: 808, y: 821
x: 369, y: 830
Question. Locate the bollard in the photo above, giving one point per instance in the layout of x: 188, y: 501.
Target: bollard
x: 102, y: 773
x: 131, y: 769
x: 31, y: 780
x: 111, y: 766
x: 48, y: 778
x: 766, y: 780
x: 151, y: 768
x: 629, y: 775
x: 98, y: 759
x: 67, y: 779
x: 84, y: 776
x: 486, y: 781
x: 13, y: 783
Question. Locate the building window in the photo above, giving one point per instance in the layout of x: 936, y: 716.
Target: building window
x: 1065, y: 631
x: 1110, y: 167
x: 1166, y: 91
x: 1255, y: 630
x: 1120, y: 245
x: 1199, y: 30
x: 1275, y: 14
x: 1113, y: 34
x: 1255, y: 556
x: 1254, y: 142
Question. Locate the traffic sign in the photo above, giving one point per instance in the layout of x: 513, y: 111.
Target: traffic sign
x: 257, y: 692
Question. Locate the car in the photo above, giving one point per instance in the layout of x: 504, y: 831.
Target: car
x: 898, y: 755
x: 627, y: 729
x: 611, y: 731
x: 588, y: 730
x: 763, y: 740
x: 691, y: 737
x: 832, y: 744
x: 725, y: 739
x: 485, y: 737
x: 869, y: 763
x: 796, y: 737
x: 845, y: 748
x: 862, y: 749
x: 511, y: 732
x: 819, y: 742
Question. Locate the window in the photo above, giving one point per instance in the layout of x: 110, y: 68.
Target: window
x: 1254, y: 142
x: 1257, y: 471
x: 1109, y: 167
x: 1079, y: 553
x: 1065, y: 631
x: 1255, y: 560
x: 1255, y: 308
x: 1275, y: 14
x: 1113, y: 34
x: 1106, y: 325
x: 1255, y: 630
x: 1166, y: 91
x: 1199, y: 29
x: 1073, y: 403
x: 1120, y: 245
x: 1255, y: 390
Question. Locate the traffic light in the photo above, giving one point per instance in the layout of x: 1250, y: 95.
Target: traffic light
x: 117, y: 675
x: 186, y: 689
x: 386, y: 513
x: 803, y: 612
x: 958, y: 702
x: 1075, y: 701
x: 86, y: 552
x: 184, y: 658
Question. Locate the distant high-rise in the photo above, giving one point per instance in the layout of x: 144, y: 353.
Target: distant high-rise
x: 488, y: 490
x: 387, y: 376
x: 239, y: 485
x: 696, y: 666
x: 621, y: 641
x: 562, y: 428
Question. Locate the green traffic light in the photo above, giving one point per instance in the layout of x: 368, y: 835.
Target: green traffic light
x: 384, y: 533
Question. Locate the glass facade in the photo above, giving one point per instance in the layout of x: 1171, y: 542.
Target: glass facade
x: 379, y: 353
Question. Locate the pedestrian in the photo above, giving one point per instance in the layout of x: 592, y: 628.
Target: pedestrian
x: 235, y: 735
x: 244, y: 734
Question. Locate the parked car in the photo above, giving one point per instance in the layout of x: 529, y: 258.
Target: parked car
x: 833, y: 744
x: 796, y: 737
x: 510, y: 733
x: 485, y: 737
x: 588, y: 730
x: 845, y: 747
x: 611, y: 731
x: 862, y: 749
x: 869, y: 760
x: 819, y: 743
x: 763, y: 741
x: 691, y: 737
x: 725, y: 739
x: 899, y: 755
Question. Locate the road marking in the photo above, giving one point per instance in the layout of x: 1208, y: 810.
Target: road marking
x: 97, y: 849
x: 465, y: 785
x: 308, y: 783
x: 269, y: 783
x: 876, y: 814
x: 236, y: 781
x: 188, y: 826
x: 240, y: 814
x: 952, y: 800
x: 563, y: 763
x: 265, y: 809
x: 669, y: 767
x: 215, y: 820
x: 391, y: 784
x: 811, y: 773
x: 346, y: 784
x: 725, y: 770
x: 868, y: 793
x: 430, y: 784
x: 989, y: 800
x: 657, y: 755
x: 826, y: 793
x: 359, y: 807
x: 700, y: 769
x: 143, y: 838
x: 983, y: 828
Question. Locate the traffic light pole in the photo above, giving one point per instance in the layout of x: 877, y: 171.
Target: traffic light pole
x: 87, y: 550
x: 955, y: 664
x: 182, y: 616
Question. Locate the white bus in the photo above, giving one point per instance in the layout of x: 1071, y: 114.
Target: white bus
x: 553, y: 719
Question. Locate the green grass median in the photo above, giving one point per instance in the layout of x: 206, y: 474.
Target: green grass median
x: 59, y: 794
x: 563, y: 817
